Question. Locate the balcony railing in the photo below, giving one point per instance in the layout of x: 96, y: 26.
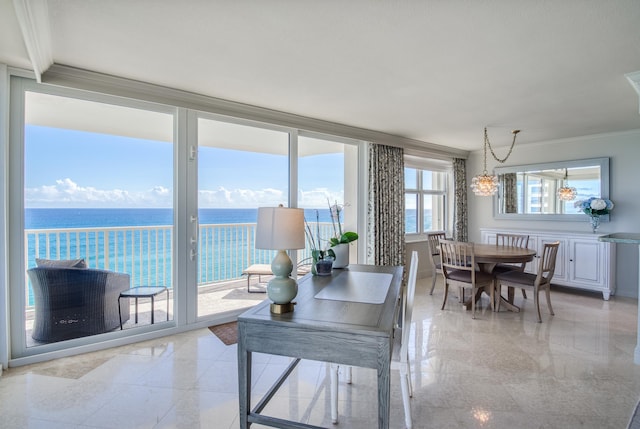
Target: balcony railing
x: 146, y: 252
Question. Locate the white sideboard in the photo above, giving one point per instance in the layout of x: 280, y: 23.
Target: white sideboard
x: 583, y: 262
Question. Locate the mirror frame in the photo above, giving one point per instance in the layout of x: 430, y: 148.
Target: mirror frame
x: 603, y: 163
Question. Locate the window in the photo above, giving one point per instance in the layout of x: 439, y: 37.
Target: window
x: 425, y: 200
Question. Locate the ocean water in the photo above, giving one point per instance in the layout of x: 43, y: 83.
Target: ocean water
x: 48, y: 218
x: 144, y: 251
x: 140, y: 241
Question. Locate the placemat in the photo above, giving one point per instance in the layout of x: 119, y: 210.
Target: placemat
x: 357, y: 286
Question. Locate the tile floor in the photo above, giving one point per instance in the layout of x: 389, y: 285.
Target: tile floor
x: 502, y: 370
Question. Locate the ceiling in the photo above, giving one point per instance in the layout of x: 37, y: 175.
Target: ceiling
x: 437, y: 71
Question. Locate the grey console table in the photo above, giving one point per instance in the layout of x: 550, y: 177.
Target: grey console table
x: 629, y: 238
x: 333, y: 321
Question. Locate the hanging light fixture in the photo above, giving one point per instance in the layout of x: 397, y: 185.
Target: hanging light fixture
x: 566, y: 193
x: 483, y: 184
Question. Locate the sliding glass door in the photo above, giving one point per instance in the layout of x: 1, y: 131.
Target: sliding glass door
x: 113, y: 198
x: 96, y: 209
x: 327, y: 177
x: 241, y: 167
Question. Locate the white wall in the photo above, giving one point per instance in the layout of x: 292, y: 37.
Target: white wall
x: 623, y: 149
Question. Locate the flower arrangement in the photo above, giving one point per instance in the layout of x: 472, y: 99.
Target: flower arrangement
x: 318, y: 252
x: 339, y: 236
x: 595, y: 206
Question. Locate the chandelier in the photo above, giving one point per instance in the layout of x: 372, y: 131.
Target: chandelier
x: 566, y: 193
x: 485, y: 185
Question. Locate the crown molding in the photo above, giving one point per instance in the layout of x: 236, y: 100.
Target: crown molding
x: 634, y: 80
x: 33, y: 19
x: 88, y: 80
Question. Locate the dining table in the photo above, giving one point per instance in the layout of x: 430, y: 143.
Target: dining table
x: 346, y: 318
x: 487, y: 256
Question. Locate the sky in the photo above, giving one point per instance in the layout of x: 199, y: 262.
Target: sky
x: 70, y: 168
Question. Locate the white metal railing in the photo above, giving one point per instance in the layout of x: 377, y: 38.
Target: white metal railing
x: 146, y: 252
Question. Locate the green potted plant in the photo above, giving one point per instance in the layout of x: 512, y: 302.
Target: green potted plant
x: 340, y: 241
x: 322, y: 259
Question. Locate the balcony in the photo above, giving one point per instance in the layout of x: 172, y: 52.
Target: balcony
x: 146, y: 254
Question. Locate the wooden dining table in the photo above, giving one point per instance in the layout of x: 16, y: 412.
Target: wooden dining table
x: 487, y: 256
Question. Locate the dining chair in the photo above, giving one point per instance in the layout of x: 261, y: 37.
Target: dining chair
x: 433, y: 241
x: 535, y: 282
x: 400, y: 353
x: 459, y: 268
x: 515, y: 240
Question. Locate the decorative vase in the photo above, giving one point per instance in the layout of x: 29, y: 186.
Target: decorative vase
x: 322, y: 267
x: 342, y: 255
x: 595, y: 223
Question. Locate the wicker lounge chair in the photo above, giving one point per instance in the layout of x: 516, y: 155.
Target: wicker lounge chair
x: 76, y: 302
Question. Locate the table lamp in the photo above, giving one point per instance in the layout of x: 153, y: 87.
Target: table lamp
x: 281, y: 228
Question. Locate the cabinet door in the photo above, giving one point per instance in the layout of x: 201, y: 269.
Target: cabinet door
x: 585, y: 259
x: 561, y: 272
x: 537, y: 243
x: 489, y: 237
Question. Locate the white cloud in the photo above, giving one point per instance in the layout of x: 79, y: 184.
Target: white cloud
x: 67, y: 193
x: 240, y: 198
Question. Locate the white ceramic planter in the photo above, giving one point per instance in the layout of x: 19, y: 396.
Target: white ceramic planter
x: 342, y: 255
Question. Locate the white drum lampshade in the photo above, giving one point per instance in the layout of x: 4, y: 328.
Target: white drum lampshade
x: 281, y: 229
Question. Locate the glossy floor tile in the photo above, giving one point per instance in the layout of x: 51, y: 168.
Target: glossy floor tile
x: 502, y: 370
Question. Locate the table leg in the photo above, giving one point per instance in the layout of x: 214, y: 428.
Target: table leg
x: 167, y: 304
x: 152, y: 308
x: 120, y: 313
x: 136, y: 310
x: 384, y: 395
x: 244, y: 380
x: 508, y: 303
x: 636, y: 352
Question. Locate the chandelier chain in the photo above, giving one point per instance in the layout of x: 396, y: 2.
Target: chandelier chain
x: 487, y: 143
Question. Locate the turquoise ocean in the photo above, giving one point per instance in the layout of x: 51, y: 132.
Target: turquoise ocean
x: 65, y: 218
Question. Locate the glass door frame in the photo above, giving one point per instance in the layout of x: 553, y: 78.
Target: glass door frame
x: 292, y: 195
x: 18, y: 350
x: 184, y: 207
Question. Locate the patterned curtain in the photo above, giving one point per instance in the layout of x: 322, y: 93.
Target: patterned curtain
x: 460, y: 232
x: 385, y: 208
x: 509, y: 184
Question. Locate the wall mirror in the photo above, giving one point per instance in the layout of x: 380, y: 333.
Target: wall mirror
x: 530, y: 191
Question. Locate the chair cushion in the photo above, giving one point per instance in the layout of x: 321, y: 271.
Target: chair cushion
x: 62, y: 263
x: 465, y: 276
x: 518, y: 277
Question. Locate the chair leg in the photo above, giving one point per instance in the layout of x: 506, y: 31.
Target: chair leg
x: 333, y: 369
x: 446, y: 292
x: 498, y: 294
x: 524, y: 293
x: 536, y: 300
x: 409, y: 379
x: 493, y: 296
x: 348, y: 374
x: 473, y: 303
x: 433, y: 281
x: 548, y: 293
x: 404, y: 385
